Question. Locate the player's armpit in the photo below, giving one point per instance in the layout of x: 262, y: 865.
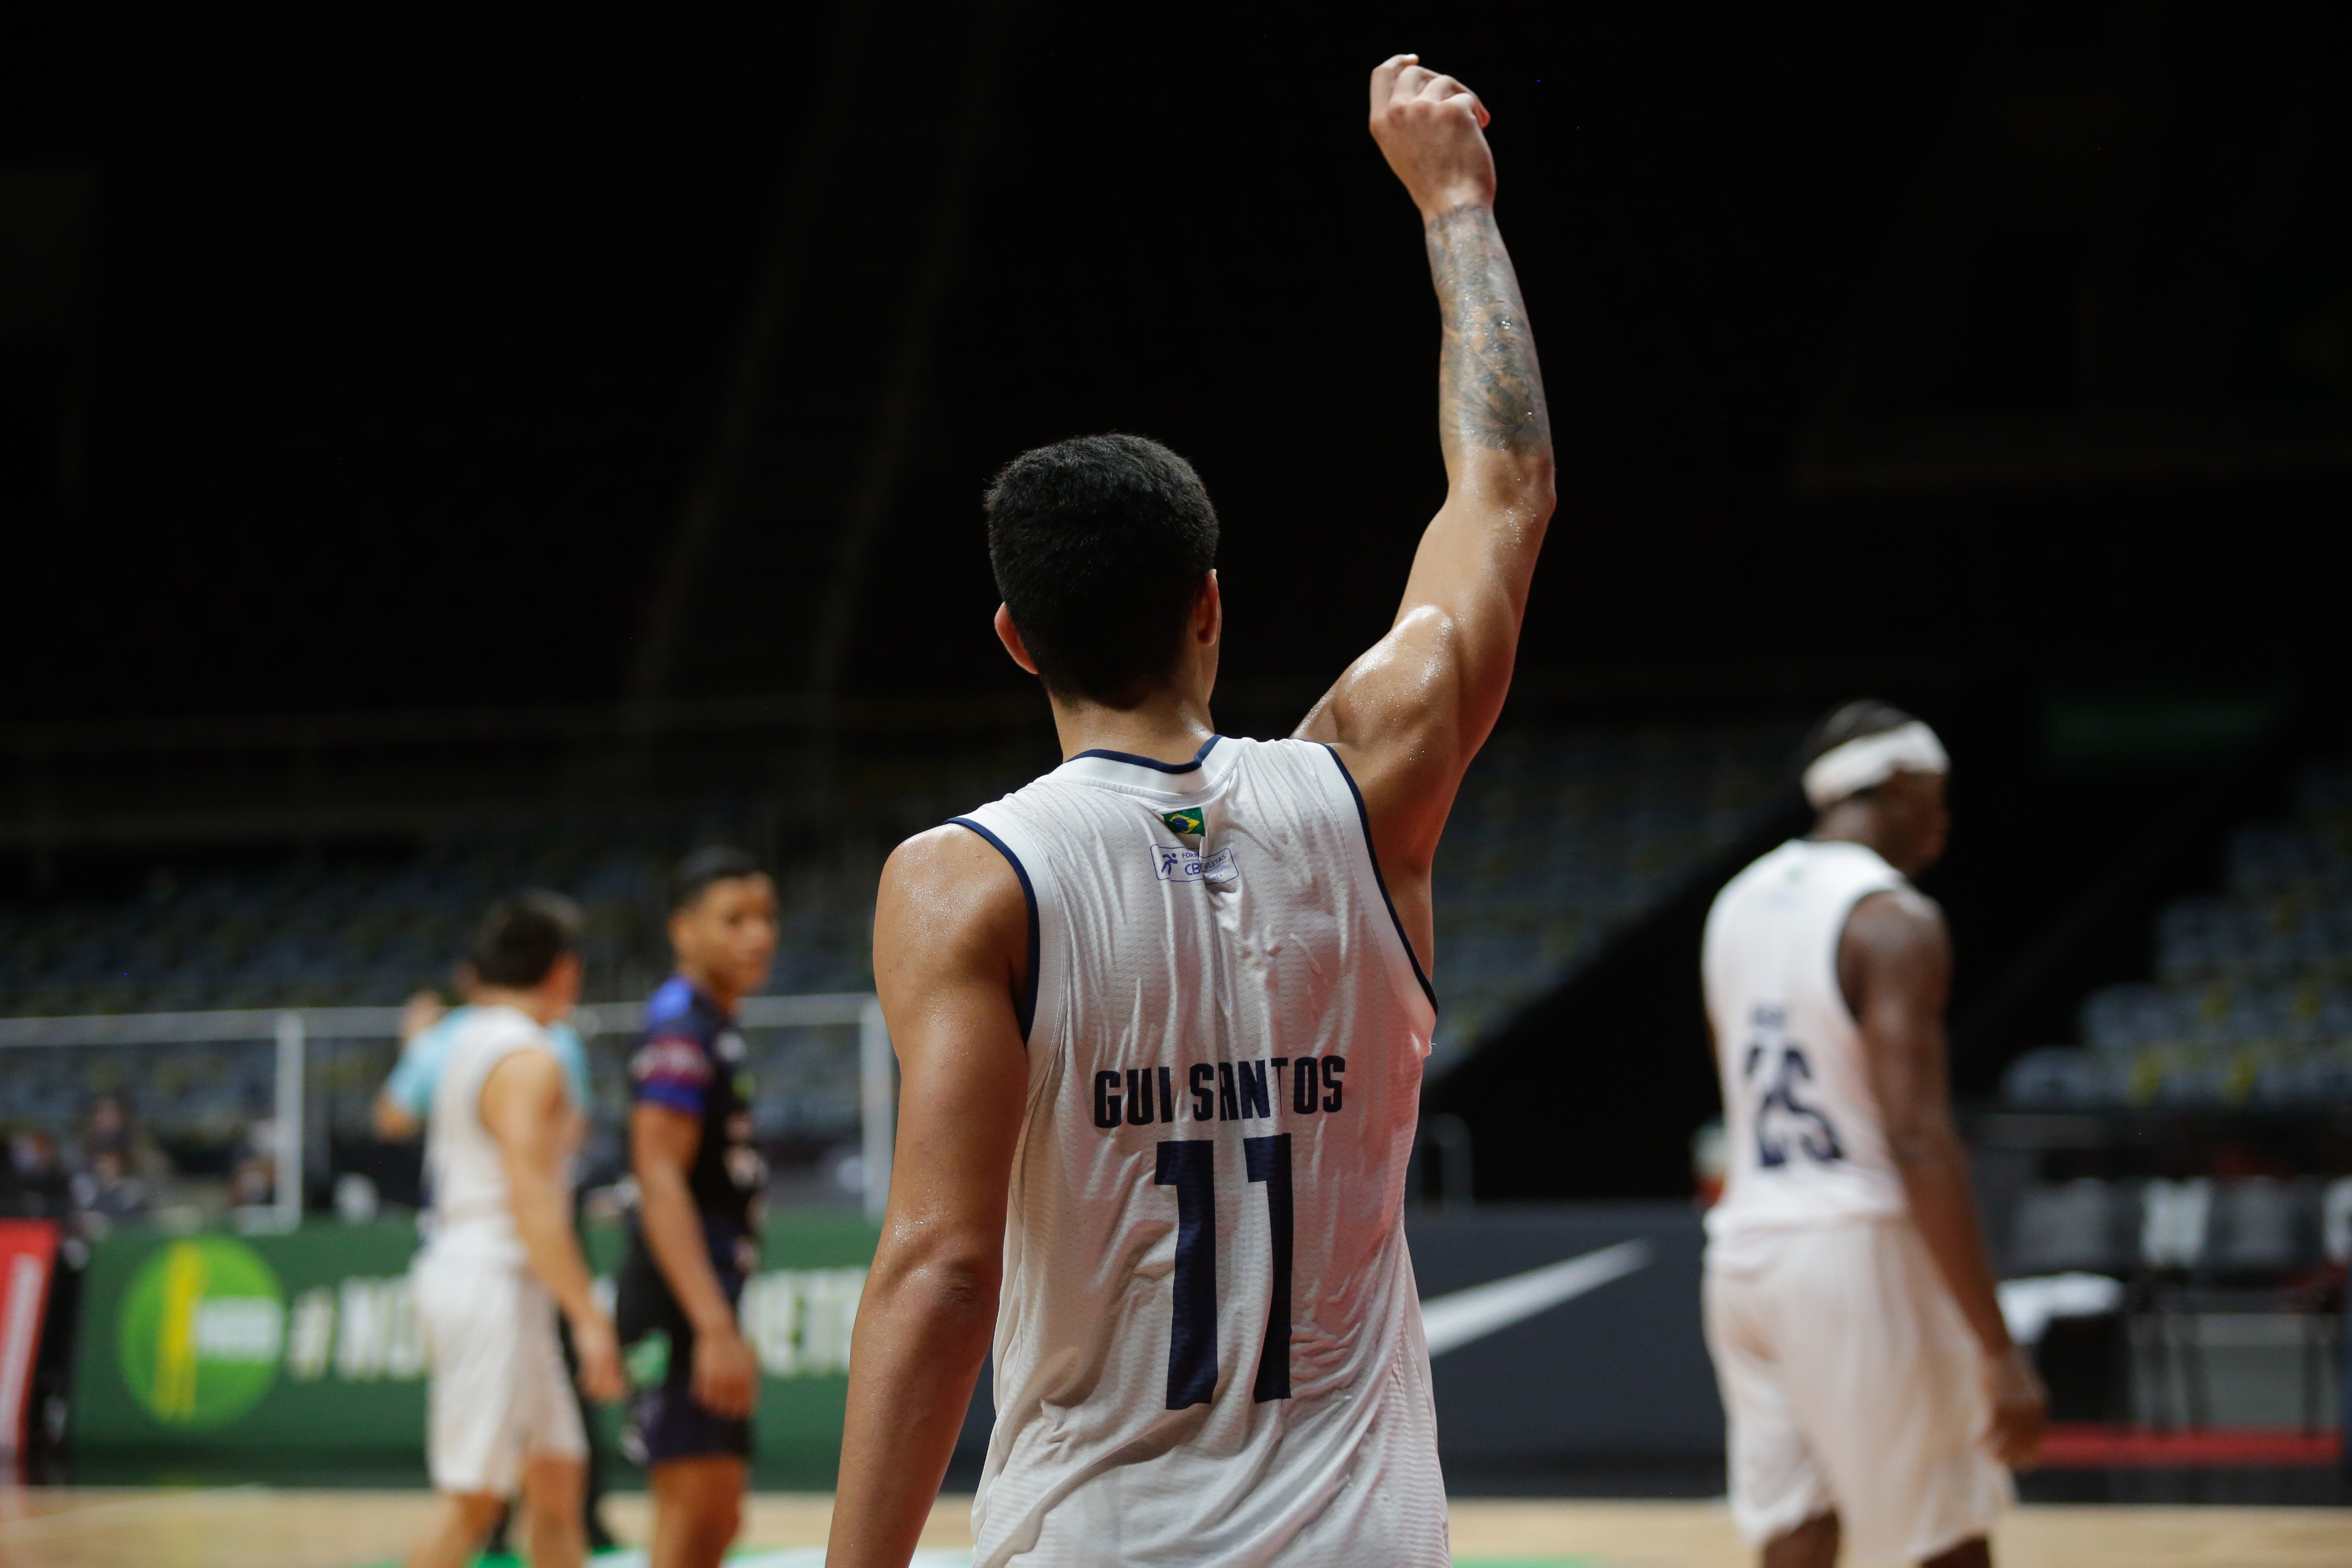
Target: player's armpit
x: 1894, y: 968
x: 662, y: 1137
x: 951, y: 954
x: 522, y: 1105
x: 950, y: 948
x: 525, y: 1105
x: 663, y: 1144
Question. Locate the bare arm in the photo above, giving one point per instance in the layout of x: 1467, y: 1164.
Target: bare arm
x: 1409, y: 715
x: 662, y: 1147
x: 1895, y: 965
x: 394, y: 1124
x: 950, y: 943
x: 526, y: 1109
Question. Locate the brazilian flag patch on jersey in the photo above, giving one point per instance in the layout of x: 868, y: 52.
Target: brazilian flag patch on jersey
x: 1181, y: 821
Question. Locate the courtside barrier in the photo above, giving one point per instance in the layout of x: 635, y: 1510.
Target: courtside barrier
x: 305, y: 1347
x: 1559, y: 1334
x: 29, y: 1258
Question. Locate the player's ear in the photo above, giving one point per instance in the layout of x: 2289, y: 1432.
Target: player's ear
x: 1208, y: 610
x: 1010, y: 635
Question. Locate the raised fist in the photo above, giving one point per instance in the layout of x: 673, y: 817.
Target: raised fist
x: 1432, y: 129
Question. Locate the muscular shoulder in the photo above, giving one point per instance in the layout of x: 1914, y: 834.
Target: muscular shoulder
x: 496, y: 1033
x: 526, y: 1065
x: 675, y: 1009
x: 1896, y: 935
x: 949, y: 896
x: 1385, y: 705
x: 522, y: 1086
x: 1399, y: 722
x: 1898, y: 919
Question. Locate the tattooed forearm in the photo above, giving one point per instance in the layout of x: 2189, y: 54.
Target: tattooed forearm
x: 1490, y: 391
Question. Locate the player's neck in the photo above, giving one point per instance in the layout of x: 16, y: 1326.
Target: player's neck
x: 726, y: 996
x: 1168, y: 726
x: 1853, y: 822
x: 536, y: 1005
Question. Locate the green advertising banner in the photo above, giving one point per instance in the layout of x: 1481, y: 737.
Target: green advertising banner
x: 215, y: 1347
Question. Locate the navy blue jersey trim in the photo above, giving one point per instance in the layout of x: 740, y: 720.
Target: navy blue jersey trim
x: 1198, y: 758
x: 1365, y: 817
x: 1024, y: 1008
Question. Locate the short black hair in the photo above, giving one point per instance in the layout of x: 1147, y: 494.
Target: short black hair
x: 1099, y: 544
x: 711, y: 863
x: 522, y: 936
x: 1863, y: 716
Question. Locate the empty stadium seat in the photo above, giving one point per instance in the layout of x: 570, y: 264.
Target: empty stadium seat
x: 2175, y: 1222
x: 1561, y: 837
x: 2073, y: 1226
x: 2250, y: 1000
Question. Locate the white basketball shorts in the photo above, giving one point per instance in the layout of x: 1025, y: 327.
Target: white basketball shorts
x: 1852, y: 1384
x: 499, y: 1392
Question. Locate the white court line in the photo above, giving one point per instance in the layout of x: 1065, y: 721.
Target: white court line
x: 104, y: 1514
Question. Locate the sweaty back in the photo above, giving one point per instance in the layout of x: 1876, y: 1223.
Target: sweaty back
x: 1208, y: 1347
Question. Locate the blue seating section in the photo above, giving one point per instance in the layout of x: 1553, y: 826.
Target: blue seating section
x: 2252, y: 1000
x: 1562, y: 837
x: 1559, y: 839
x: 357, y: 932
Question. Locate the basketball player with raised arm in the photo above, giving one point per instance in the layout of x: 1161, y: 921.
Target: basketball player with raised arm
x: 1160, y: 1019
x: 502, y: 1260
x: 1869, y: 1381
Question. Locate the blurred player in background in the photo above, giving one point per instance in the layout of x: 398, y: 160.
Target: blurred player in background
x: 502, y: 1260
x: 427, y: 1029
x: 1869, y: 1383
x: 695, y: 1238
x: 1160, y: 1027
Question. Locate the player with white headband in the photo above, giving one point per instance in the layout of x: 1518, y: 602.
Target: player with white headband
x: 1869, y: 760
x: 1871, y: 1388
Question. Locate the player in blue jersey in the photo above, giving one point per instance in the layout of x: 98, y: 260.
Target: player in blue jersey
x: 695, y: 1237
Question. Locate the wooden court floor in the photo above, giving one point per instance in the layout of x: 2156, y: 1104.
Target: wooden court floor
x: 259, y: 1527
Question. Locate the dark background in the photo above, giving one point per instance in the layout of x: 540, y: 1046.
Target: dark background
x: 1991, y: 358
x: 397, y: 342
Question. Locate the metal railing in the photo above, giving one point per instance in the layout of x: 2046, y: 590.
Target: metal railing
x: 291, y: 1029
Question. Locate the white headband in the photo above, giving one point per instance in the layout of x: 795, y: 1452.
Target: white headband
x: 1872, y: 760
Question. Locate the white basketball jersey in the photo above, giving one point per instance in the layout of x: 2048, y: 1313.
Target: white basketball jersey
x: 471, y: 1216
x: 1209, y: 1348
x: 1807, y: 1143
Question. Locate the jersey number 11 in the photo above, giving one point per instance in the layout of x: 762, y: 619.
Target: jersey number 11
x: 1189, y: 1165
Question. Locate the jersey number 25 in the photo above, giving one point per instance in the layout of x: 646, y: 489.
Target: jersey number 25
x: 1814, y: 1133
